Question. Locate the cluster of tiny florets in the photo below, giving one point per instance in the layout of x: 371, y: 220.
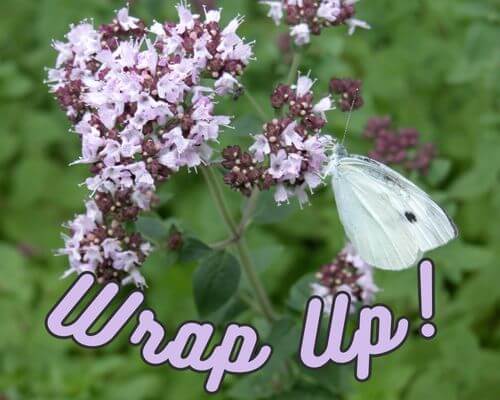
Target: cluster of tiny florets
x: 310, y: 17
x: 245, y: 173
x: 347, y: 93
x: 135, y: 97
x: 347, y: 273
x: 290, y: 153
x: 399, y: 147
x: 100, y: 244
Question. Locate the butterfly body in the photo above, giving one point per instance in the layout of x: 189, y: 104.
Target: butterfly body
x: 390, y: 221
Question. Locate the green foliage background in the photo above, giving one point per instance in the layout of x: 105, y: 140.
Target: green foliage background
x: 431, y: 64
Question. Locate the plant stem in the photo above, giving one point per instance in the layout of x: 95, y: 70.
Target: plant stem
x: 244, y: 223
x: 224, y: 244
x: 220, y: 201
x: 247, y: 299
x: 240, y: 244
x: 249, y: 210
x: 254, y: 279
x: 293, y: 67
x: 237, y: 232
x: 260, y: 111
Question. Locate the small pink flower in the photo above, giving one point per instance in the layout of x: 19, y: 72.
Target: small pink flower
x: 275, y: 10
x: 260, y: 148
x: 226, y: 84
x: 303, y: 86
x: 277, y: 168
x: 281, y: 194
x: 291, y: 137
x: 125, y: 20
x: 301, y: 33
x: 354, y: 23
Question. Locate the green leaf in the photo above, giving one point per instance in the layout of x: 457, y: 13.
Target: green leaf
x: 160, y: 260
x: 337, y: 379
x: 300, y: 293
x: 262, y: 385
x: 306, y: 393
x: 164, y: 196
x: 8, y: 145
x: 284, y: 339
x: 229, y: 312
x: 473, y: 9
x: 484, y: 175
x: 215, y: 281
x: 152, y: 228
x: 474, y: 183
x: 476, y: 298
x: 193, y: 250
x: 459, y: 257
x: 39, y: 227
x: 16, y: 283
x: 41, y: 130
x: 443, y: 386
x: 480, y: 56
x: 13, y: 84
x: 388, y: 382
x: 266, y: 256
x: 136, y: 388
x: 439, y: 171
x: 398, y: 289
x: 32, y: 178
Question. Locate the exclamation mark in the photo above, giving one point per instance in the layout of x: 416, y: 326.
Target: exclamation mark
x: 426, y: 291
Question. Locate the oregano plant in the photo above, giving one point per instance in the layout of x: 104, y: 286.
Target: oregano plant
x: 149, y: 100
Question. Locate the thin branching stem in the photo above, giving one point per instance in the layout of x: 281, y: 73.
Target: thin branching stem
x: 240, y: 244
x: 237, y: 231
x: 294, y: 66
x: 255, y: 104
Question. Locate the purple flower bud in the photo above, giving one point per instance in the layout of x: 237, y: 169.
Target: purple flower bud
x: 284, y: 44
x: 349, y: 91
x: 175, y: 241
x: 399, y: 147
x: 281, y: 95
x: 245, y: 173
x: 376, y: 125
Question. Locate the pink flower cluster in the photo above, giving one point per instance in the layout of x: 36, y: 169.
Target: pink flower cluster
x: 137, y: 103
x: 309, y: 17
x: 399, y: 146
x: 347, y: 273
x: 293, y: 146
x: 104, y: 248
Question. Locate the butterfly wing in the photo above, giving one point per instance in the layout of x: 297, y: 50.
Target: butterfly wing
x: 390, y: 221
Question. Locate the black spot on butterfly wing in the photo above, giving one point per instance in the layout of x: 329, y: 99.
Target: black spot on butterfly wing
x: 411, y: 217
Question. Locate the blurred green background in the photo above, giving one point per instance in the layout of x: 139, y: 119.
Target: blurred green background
x: 430, y: 64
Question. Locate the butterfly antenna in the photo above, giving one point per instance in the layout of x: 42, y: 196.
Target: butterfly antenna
x: 349, y: 117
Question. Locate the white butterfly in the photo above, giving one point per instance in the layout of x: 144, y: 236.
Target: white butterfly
x: 388, y: 219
